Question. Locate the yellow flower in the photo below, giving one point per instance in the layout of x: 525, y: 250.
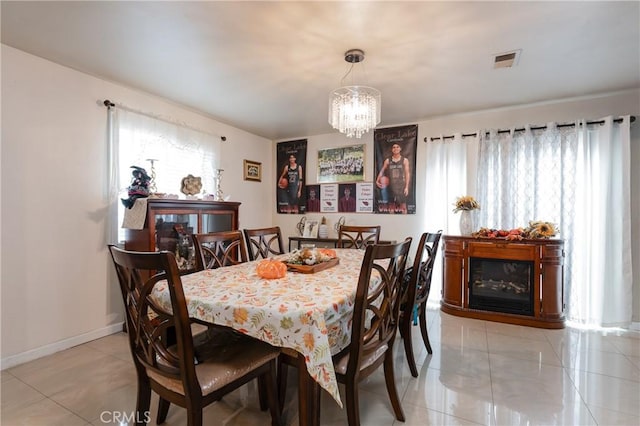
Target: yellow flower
x: 540, y: 229
x: 466, y: 202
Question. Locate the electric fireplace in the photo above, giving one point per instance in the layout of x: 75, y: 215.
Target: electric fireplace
x: 517, y: 282
x: 501, y: 285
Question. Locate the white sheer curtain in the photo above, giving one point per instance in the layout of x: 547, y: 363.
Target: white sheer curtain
x: 578, y: 178
x: 601, y: 285
x: 447, y: 162
x: 525, y: 176
x: 179, y: 150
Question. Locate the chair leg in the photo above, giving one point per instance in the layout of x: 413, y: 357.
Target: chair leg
x: 282, y: 382
x: 163, y: 410
x: 389, y: 378
x: 353, y: 404
x: 271, y: 389
x: 423, y: 327
x: 144, y: 401
x: 194, y: 417
x: 262, y: 392
x: 405, y: 332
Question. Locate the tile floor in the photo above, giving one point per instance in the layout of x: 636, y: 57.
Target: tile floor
x: 480, y: 373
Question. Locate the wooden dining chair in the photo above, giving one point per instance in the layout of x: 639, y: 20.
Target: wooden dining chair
x: 373, y: 330
x: 350, y: 236
x: 195, y: 371
x: 416, y: 293
x: 263, y: 242
x: 218, y: 249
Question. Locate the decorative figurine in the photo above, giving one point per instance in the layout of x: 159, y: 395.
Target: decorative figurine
x: 139, y: 187
x: 191, y: 185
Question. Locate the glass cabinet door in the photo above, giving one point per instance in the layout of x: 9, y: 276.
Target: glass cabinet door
x: 173, y: 233
x: 170, y: 223
x: 216, y: 222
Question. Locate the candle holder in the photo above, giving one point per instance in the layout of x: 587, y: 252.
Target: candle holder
x: 152, y: 184
x: 300, y: 225
x: 219, y: 196
x: 338, y: 224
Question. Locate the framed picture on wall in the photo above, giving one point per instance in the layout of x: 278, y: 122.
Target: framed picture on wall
x: 313, y: 198
x: 252, y: 170
x: 290, y: 176
x: 394, y: 159
x: 343, y: 164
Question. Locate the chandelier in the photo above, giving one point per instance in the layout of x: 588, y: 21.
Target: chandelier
x: 354, y: 110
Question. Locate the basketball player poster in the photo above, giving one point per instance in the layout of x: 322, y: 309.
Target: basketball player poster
x: 290, y: 176
x: 395, y: 165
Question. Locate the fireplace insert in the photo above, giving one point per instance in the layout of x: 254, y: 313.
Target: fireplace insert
x: 501, y: 285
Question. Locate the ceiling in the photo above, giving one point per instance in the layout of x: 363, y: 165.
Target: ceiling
x: 268, y: 67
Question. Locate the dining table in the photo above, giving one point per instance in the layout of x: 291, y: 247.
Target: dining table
x: 307, y: 312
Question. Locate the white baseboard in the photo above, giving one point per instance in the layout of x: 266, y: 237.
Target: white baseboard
x: 30, y: 355
x: 635, y: 326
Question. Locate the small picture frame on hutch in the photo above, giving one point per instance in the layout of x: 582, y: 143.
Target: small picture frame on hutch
x: 310, y: 229
x: 252, y: 170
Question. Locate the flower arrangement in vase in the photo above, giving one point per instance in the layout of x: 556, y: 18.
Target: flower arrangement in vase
x: 466, y: 204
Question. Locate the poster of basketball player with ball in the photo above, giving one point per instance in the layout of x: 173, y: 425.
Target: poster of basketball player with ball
x: 290, y: 172
x: 395, y: 164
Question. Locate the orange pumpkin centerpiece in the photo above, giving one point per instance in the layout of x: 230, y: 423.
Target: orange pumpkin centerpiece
x: 271, y: 269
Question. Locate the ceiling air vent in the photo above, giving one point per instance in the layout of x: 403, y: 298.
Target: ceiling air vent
x: 507, y: 59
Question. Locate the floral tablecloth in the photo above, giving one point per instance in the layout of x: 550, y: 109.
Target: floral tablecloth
x: 309, y: 313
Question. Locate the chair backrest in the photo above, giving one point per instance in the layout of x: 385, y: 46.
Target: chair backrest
x: 422, y: 270
x: 218, y: 249
x: 377, y: 302
x: 263, y: 242
x: 148, y: 324
x: 358, y: 236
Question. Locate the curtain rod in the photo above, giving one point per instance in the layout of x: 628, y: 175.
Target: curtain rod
x: 467, y: 135
x: 110, y: 105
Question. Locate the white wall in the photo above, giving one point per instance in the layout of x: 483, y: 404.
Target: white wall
x: 57, y: 288
x: 396, y: 227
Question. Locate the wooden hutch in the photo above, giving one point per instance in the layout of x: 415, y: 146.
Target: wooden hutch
x: 169, y: 223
